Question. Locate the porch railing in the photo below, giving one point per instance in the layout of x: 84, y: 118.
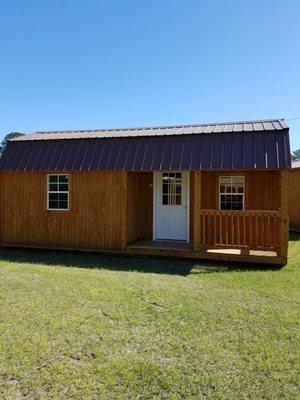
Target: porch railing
x: 256, y: 230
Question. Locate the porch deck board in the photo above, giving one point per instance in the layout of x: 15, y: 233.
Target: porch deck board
x: 238, y: 251
x: 161, y: 244
x: 185, y: 250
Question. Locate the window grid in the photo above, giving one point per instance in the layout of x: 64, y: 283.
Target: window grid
x: 232, y: 193
x: 171, y: 188
x: 58, y: 192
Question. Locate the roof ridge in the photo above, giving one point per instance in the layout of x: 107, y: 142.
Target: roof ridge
x: 160, y: 127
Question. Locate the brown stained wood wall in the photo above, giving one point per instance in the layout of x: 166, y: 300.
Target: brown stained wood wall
x: 107, y: 209
x: 262, y: 189
x: 95, y: 219
x: 139, y: 205
x: 294, y: 199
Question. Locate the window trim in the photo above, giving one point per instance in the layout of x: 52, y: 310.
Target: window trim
x: 51, y: 191
x: 232, y: 194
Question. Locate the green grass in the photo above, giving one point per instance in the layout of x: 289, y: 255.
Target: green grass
x: 86, y: 326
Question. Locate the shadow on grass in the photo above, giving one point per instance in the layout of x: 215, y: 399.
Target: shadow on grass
x: 294, y: 236
x: 124, y: 263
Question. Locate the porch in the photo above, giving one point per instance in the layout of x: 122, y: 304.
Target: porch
x: 185, y: 250
x: 249, y: 235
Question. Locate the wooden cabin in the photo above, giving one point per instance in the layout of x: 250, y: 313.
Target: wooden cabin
x: 208, y: 191
x: 294, y: 197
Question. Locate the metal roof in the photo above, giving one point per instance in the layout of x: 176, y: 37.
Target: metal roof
x: 220, y: 127
x: 220, y: 151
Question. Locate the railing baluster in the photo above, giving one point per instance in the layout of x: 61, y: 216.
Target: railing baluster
x: 203, y: 230
x: 273, y: 223
x: 226, y: 228
x: 238, y: 230
x: 220, y: 229
x: 256, y: 231
x: 262, y: 230
x: 251, y: 235
x: 269, y: 231
x: 232, y: 229
x: 215, y: 230
x: 209, y: 222
x: 244, y: 230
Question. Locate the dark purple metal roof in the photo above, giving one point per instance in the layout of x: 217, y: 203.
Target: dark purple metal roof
x: 206, y: 151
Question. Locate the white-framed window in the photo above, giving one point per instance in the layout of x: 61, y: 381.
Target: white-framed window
x: 58, y: 192
x: 232, y: 192
x: 171, y: 188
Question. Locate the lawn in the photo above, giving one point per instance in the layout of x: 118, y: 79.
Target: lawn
x: 86, y: 326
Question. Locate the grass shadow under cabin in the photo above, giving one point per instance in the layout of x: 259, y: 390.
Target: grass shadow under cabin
x: 146, y: 264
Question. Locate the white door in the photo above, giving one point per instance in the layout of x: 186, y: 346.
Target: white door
x: 171, y: 198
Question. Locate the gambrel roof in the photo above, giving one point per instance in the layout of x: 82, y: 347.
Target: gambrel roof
x: 260, y: 144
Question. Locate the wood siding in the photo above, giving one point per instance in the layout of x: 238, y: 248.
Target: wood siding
x: 95, y: 219
x: 139, y: 205
x: 262, y: 189
x: 294, y: 199
x: 110, y: 209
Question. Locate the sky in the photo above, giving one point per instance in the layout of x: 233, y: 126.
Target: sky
x: 85, y: 64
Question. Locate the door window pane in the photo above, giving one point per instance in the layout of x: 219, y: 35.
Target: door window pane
x: 171, y: 188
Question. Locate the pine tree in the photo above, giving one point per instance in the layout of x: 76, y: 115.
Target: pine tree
x: 6, y: 138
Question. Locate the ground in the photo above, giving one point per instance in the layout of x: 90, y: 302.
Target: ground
x: 85, y: 326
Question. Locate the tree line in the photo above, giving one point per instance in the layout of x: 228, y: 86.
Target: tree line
x: 10, y: 135
x: 296, y: 155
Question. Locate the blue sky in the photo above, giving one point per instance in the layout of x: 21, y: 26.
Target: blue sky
x: 99, y: 64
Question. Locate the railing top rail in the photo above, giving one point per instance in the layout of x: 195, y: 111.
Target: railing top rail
x: 241, y: 213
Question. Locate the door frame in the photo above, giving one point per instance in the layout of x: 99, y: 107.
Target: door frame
x: 155, y: 183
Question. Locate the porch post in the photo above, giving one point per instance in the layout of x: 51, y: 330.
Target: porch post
x: 284, y: 204
x: 123, y: 194
x: 197, y: 209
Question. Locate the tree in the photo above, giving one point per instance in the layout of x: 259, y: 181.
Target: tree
x: 11, y: 135
x: 296, y: 155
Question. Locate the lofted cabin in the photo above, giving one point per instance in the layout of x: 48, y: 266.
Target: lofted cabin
x: 209, y: 191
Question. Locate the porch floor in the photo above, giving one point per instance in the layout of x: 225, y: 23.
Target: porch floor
x: 184, y: 249
x: 239, y: 251
x: 160, y: 244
